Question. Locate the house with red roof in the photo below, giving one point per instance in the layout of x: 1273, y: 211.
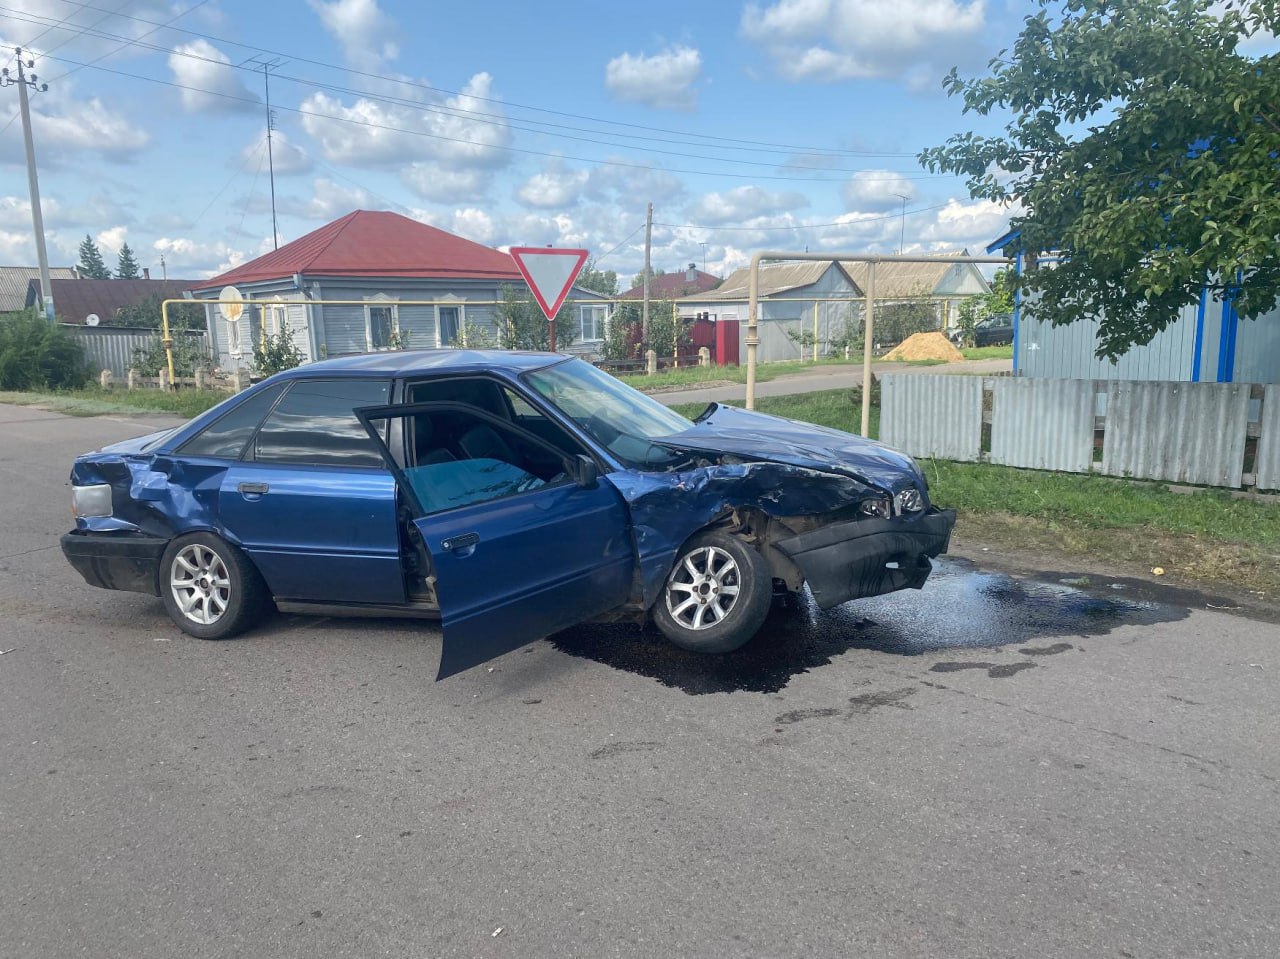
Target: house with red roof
x: 669, y: 286
x: 382, y: 262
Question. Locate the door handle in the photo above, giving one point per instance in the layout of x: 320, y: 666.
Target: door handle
x: 460, y: 542
x: 253, y: 489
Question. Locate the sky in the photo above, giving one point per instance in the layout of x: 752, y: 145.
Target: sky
x: 781, y: 124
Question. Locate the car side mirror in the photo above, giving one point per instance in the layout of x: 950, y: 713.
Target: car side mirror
x: 585, y: 471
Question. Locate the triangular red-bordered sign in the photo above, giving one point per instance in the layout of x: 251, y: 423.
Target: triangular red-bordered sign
x: 549, y: 272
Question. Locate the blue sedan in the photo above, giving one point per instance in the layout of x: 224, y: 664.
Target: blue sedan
x: 509, y: 494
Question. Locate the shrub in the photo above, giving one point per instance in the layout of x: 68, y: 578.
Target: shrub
x: 277, y: 352
x: 37, y: 355
x: 188, y: 355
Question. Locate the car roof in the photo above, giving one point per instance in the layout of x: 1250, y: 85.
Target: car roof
x: 401, y: 362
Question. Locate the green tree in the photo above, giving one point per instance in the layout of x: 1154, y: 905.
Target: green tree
x: 126, y: 265
x: 638, y: 279
x: 522, y: 325
x: 147, y: 312
x: 91, y: 264
x: 1141, y: 145
x: 599, y: 281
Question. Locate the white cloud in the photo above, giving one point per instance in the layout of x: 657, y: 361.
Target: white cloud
x: 197, y: 260
x: 65, y: 126
x: 743, y: 203
x: 664, y: 81
x: 85, y: 30
x: 17, y: 246
x: 877, y: 190
x: 211, y: 83
x: 552, y: 189
x: 330, y: 201
x: 377, y: 132
x: 111, y: 239
x: 474, y: 224
x: 962, y: 224
x: 433, y: 182
x: 288, y: 157
x: 831, y: 40
x: 361, y: 27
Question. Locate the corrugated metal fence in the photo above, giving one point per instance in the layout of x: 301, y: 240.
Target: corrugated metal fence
x: 1208, y: 434
x: 111, y: 347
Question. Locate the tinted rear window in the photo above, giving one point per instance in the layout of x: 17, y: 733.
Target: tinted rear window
x: 227, y: 436
x: 314, y: 424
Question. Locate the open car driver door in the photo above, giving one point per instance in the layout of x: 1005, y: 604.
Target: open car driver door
x: 521, y: 544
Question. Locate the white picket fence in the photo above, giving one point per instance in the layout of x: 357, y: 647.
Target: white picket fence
x: 1205, y: 434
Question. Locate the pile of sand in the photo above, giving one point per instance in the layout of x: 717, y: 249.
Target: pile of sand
x: 925, y: 346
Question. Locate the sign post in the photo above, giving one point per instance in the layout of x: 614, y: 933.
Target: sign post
x: 550, y: 274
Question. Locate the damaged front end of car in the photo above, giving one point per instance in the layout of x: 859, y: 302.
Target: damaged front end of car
x: 848, y: 516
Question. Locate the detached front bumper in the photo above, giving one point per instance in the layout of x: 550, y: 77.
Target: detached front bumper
x: 869, y: 557
x: 127, y: 561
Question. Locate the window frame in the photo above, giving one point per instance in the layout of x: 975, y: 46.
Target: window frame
x: 452, y: 302
x: 381, y: 301
x: 599, y: 321
x: 248, y: 454
x: 403, y: 411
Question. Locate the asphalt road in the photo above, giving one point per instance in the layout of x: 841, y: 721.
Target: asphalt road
x: 1104, y: 784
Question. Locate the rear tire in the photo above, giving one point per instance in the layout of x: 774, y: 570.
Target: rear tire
x: 717, y: 596
x: 209, y: 588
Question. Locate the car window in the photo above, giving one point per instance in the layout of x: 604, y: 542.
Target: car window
x: 448, y: 485
x: 226, y: 436
x: 314, y: 424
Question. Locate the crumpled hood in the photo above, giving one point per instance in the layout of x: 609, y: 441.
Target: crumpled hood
x: 752, y: 435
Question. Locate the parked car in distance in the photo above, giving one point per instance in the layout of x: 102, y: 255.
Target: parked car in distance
x: 994, y: 330
x: 509, y: 494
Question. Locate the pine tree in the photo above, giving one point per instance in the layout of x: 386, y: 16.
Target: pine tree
x: 91, y: 265
x: 126, y: 265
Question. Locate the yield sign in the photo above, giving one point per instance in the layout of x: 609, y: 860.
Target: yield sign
x: 549, y: 272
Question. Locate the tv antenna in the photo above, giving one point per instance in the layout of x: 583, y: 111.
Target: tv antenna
x: 266, y: 65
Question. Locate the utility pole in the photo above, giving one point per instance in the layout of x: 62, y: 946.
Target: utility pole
x: 902, y: 233
x: 37, y: 218
x: 267, y: 67
x: 164, y: 269
x: 648, y: 250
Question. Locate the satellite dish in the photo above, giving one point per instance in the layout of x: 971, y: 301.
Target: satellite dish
x: 92, y: 319
x: 233, y: 306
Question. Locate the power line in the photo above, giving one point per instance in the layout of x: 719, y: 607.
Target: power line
x: 802, y: 226
x: 106, y: 15
x: 600, y: 259
x: 684, y: 135
x: 476, y: 116
x: 135, y: 41
x: 62, y: 22
x: 508, y: 149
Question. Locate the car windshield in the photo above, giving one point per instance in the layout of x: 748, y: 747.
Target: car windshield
x: 621, y: 419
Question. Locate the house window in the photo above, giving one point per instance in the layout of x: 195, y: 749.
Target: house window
x: 382, y: 324
x: 276, y: 320
x: 593, y: 320
x: 448, y: 321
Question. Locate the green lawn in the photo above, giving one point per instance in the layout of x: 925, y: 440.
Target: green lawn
x: 696, y: 375
x: 97, y: 402
x: 988, y: 352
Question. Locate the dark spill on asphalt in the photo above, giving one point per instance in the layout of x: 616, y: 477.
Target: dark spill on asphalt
x: 960, y: 607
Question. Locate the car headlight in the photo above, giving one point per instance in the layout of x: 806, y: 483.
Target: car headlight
x: 909, y: 501
x: 878, y: 507
x: 91, y: 500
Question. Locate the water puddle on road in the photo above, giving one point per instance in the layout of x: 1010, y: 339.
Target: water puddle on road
x: 960, y: 607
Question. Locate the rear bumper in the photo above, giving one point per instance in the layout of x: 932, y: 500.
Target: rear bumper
x: 116, y: 560
x: 847, y: 561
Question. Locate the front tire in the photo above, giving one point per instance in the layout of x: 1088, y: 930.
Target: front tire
x: 209, y: 588
x: 717, y: 596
